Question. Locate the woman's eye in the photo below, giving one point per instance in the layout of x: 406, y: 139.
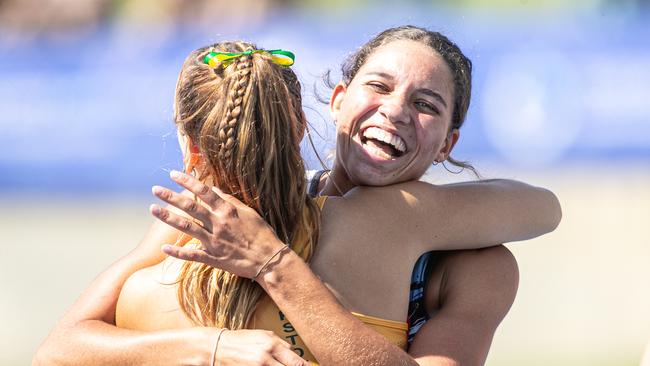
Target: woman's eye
x: 428, y: 107
x: 379, y: 87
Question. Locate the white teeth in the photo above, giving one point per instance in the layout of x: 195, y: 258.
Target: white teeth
x: 378, y: 152
x: 387, y: 137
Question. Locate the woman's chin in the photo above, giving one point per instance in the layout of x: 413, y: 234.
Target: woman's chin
x: 377, y: 178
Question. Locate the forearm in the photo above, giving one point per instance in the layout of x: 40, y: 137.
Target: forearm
x: 333, y: 334
x: 537, y: 209
x: 489, y: 212
x: 94, y: 342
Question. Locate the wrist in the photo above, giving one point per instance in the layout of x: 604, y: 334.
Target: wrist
x: 263, y: 267
x: 278, y: 270
x: 202, y: 340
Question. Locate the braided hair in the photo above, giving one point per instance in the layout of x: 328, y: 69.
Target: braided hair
x: 246, y: 120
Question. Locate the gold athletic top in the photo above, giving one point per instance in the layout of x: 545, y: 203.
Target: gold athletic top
x: 268, y: 316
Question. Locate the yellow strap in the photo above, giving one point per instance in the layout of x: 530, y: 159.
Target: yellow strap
x: 382, y: 322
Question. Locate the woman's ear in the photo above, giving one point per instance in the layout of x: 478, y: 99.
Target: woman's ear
x: 191, y: 153
x: 194, y: 158
x: 337, y: 98
x: 450, y: 142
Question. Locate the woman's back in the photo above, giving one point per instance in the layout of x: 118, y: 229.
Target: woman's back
x: 367, y: 262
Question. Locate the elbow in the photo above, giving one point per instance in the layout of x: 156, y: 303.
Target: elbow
x: 51, y: 352
x: 557, y: 212
x: 554, y: 211
x: 43, y: 357
x: 51, y: 355
x: 38, y: 360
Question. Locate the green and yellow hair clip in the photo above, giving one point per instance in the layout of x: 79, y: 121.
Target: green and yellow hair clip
x: 280, y: 57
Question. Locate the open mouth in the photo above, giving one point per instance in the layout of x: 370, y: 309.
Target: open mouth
x: 382, y: 143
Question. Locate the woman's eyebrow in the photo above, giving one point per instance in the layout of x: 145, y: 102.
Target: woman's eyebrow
x: 381, y: 74
x: 433, y: 94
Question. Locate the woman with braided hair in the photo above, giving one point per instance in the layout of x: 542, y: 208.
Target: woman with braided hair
x: 396, y: 113
x: 240, y: 120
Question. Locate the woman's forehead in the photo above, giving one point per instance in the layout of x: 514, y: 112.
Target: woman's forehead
x: 408, y: 61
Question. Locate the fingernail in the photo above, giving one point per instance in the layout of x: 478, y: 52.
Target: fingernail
x: 156, y: 190
x: 155, y: 209
x: 175, y: 174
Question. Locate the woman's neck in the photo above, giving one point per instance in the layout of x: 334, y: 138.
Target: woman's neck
x: 336, y: 183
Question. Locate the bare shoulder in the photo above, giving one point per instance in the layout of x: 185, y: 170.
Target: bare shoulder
x: 133, y: 295
x: 480, y: 282
x: 148, y: 298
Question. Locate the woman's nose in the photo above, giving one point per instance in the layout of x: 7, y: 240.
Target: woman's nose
x: 394, y: 109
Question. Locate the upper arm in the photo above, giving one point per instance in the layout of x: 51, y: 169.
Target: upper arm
x: 478, y: 289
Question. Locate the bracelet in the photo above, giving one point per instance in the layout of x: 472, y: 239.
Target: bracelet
x: 216, y: 345
x: 284, y: 246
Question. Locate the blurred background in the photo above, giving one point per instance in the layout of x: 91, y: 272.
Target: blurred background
x: 561, y: 99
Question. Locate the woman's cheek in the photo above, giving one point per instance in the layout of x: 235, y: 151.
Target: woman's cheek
x: 362, y: 100
x: 432, y: 134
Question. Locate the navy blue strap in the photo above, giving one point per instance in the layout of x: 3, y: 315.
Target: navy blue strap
x: 417, y: 314
x: 312, y: 189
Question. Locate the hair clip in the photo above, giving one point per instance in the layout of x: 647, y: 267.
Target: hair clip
x: 279, y: 57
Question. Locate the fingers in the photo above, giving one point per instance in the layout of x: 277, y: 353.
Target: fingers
x: 189, y: 254
x: 232, y: 200
x: 211, y: 197
x: 226, y: 197
x: 195, y: 186
x: 185, y: 204
x: 283, y: 353
x: 257, y: 347
x: 178, y: 222
x: 287, y: 357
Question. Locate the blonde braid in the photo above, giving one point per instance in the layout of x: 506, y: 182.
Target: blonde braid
x: 228, y: 127
x: 247, y: 120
